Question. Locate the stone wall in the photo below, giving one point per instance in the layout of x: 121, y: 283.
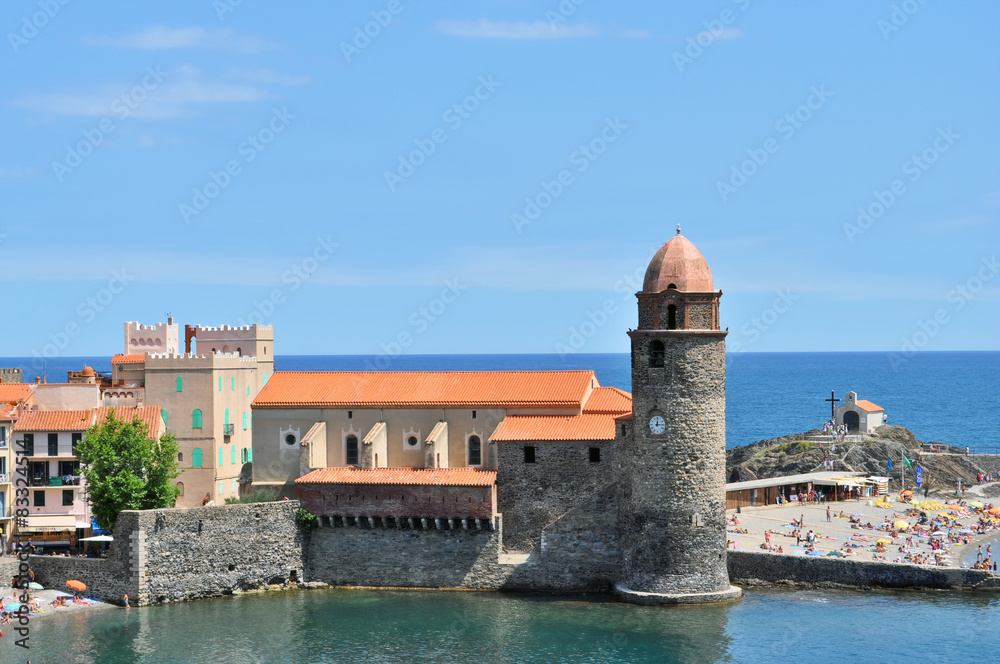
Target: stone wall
x: 180, y: 554
x: 561, y: 483
x: 10, y: 374
x: 760, y: 568
x: 326, y: 499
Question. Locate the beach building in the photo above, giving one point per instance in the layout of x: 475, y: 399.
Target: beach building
x: 14, y: 398
x: 58, y: 510
x: 859, y: 414
x: 204, y: 392
x: 833, y: 485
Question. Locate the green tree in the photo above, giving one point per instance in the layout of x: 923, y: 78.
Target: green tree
x: 127, y: 469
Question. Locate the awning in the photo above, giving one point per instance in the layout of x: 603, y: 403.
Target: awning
x: 42, y: 523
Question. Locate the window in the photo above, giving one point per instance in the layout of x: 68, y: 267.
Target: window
x: 180, y: 488
x: 595, y: 455
x: 672, y: 317
x: 180, y: 383
x: 53, y: 444
x: 227, y: 421
x: 265, y: 379
x: 222, y: 459
x: 67, y: 497
x: 249, y: 455
x: 351, y: 450
x: 232, y: 454
x: 473, y: 414
x: 39, y: 499
x: 290, y: 439
x: 529, y: 454
x: 196, y: 458
x: 220, y: 377
x: 412, y: 441
x: 232, y: 381
x: 196, y: 418
x: 163, y: 414
x: 232, y: 486
x: 220, y: 487
x: 243, y: 455
x: 350, y: 414
x: 248, y: 390
x: 475, y: 451
x: 29, y: 444
x: 671, y: 286
x: 77, y: 437
x: 180, y: 457
x: 3, y: 435
x: 244, y: 421
x: 656, y: 352
x: 69, y: 468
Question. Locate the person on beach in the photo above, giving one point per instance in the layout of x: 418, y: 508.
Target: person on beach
x: 828, y: 514
x: 125, y: 599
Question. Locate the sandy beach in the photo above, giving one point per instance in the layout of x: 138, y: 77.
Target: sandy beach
x: 839, y: 531
x: 45, y: 599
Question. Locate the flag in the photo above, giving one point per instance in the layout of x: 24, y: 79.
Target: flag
x: 907, y: 461
x: 889, y: 461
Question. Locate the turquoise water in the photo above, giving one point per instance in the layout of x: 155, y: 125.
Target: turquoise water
x: 378, y: 627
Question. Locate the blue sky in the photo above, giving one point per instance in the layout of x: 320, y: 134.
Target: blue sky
x: 492, y: 177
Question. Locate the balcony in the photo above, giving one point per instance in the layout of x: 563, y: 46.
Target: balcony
x: 55, y: 480
x: 4, y: 479
x: 227, y: 429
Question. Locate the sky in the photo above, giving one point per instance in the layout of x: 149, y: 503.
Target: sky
x: 494, y: 177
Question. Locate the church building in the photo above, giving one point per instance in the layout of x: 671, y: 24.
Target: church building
x: 860, y: 415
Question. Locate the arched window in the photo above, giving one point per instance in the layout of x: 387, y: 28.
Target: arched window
x: 351, y: 450
x: 243, y: 455
x: 244, y: 421
x: 232, y: 454
x: 163, y: 414
x: 196, y: 458
x: 227, y: 420
x: 180, y: 457
x: 232, y: 382
x: 656, y: 352
x: 672, y: 317
x: 180, y: 384
x: 180, y: 487
x: 239, y: 351
x: 475, y: 451
x: 196, y: 418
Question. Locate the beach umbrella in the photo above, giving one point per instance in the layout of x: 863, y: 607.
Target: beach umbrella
x: 976, y: 503
x: 883, y: 541
x: 35, y: 586
x: 76, y: 585
x: 906, y: 492
x: 902, y: 525
x: 995, y: 510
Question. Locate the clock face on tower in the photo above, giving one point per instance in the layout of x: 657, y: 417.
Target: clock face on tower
x: 656, y: 424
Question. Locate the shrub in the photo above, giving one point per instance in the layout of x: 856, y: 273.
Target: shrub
x: 262, y: 495
x: 306, y: 519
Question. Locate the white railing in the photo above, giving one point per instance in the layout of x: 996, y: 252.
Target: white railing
x: 3, y: 479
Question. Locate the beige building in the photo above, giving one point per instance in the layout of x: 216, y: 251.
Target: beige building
x: 204, y: 391
x: 860, y: 415
x: 309, y: 420
x: 15, y: 398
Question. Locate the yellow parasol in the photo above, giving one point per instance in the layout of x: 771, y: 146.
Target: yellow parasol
x: 902, y: 525
x: 883, y: 541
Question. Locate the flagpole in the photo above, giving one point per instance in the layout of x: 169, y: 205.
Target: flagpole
x: 902, y: 472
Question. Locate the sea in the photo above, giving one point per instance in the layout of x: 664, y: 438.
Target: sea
x: 943, y: 397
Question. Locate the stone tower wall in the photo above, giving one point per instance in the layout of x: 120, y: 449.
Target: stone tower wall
x: 672, y: 507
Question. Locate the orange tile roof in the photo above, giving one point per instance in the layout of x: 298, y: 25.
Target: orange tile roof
x: 15, y: 391
x: 424, y: 476
x: 81, y: 420
x: 438, y: 389
x: 134, y: 357
x: 555, y: 427
x: 864, y: 404
x: 608, y: 400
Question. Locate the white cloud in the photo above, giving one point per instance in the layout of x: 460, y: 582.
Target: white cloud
x: 182, y: 90
x: 16, y: 172
x: 161, y: 37
x: 487, y: 29
x: 268, y: 77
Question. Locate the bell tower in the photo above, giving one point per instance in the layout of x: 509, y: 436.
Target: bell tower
x: 672, y: 506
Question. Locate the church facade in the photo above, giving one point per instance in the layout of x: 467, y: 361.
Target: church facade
x: 592, y: 487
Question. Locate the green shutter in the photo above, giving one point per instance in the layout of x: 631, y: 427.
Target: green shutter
x: 244, y: 421
x: 196, y: 418
x: 232, y: 380
x: 180, y: 384
x: 232, y: 454
x: 163, y: 414
x: 196, y: 461
x: 220, y: 383
x: 222, y: 460
x: 227, y: 419
x: 250, y: 455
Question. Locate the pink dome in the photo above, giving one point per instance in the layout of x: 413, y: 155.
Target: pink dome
x: 678, y: 265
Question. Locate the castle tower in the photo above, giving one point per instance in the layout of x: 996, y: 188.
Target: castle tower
x: 672, y: 506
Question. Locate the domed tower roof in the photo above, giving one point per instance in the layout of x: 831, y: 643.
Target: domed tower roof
x: 678, y: 265
x: 88, y: 371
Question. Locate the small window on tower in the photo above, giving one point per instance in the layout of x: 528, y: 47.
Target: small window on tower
x: 595, y: 455
x: 672, y: 317
x: 656, y: 352
x: 350, y: 414
x: 529, y: 454
x: 473, y: 414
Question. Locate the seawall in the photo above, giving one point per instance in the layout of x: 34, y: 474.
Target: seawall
x: 753, y: 568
